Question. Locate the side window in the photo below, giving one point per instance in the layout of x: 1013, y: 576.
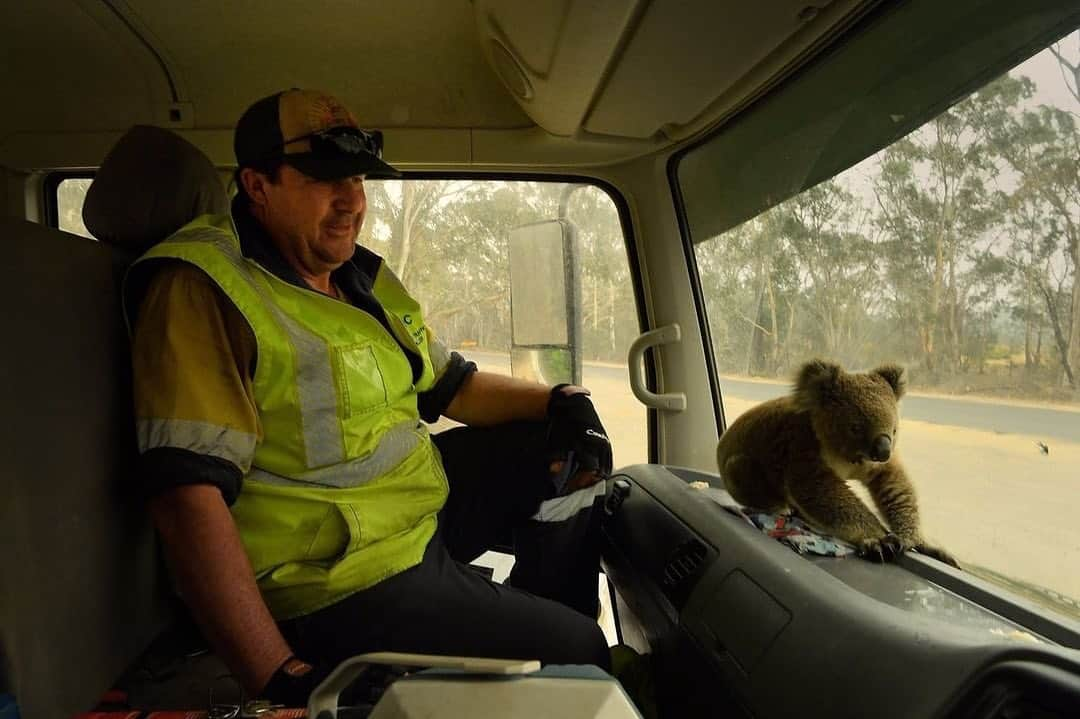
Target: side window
x: 70, y: 194
x: 449, y: 242
x: 954, y: 251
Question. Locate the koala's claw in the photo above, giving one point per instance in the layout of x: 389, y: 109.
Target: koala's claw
x: 885, y: 549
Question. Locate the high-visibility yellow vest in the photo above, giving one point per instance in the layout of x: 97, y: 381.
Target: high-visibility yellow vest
x: 345, y: 485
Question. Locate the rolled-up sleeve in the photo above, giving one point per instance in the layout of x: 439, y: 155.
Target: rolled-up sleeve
x: 195, y: 415
x: 454, y: 369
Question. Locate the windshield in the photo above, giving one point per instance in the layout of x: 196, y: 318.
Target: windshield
x: 953, y: 252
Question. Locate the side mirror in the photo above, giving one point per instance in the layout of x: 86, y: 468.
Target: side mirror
x: 545, y: 321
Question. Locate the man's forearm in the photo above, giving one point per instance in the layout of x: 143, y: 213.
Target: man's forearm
x: 212, y: 570
x: 486, y: 398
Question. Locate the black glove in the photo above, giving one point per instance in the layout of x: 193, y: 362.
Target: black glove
x: 575, y: 434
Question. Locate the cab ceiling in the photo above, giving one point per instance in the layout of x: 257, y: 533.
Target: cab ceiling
x: 451, y: 81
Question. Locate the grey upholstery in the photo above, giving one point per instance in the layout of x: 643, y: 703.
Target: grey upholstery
x: 151, y: 184
x: 81, y: 588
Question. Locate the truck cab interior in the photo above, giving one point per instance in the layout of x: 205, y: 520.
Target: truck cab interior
x: 684, y: 120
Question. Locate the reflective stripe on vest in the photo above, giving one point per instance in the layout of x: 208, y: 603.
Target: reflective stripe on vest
x: 394, y: 446
x: 225, y: 443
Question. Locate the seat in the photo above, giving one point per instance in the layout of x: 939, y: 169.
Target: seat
x: 82, y: 587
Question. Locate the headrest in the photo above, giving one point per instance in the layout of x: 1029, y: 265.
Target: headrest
x: 151, y: 184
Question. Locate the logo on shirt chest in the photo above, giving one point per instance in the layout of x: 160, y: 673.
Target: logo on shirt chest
x: 418, y: 335
x: 417, y: 332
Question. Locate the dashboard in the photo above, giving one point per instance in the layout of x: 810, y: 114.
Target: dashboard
x: 740, y: 625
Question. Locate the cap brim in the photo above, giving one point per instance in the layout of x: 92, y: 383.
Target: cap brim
x: 325, y: 167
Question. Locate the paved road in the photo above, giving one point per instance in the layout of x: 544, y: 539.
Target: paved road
x: 987, y: 415
x: 998, y: 417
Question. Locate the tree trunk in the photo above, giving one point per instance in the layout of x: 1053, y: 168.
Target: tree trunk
x: 926, y: 343
x: 928, y: 331
x: 774, y: 360
x: 1073, y: 338
x: 1059, y: 335
x: 407, y: 216
x: 955, y: 330
x: 789, y: 334
x: 754, y: 331
x: 1029, y: 312
x: 611, y: 320
x: 595, y: 304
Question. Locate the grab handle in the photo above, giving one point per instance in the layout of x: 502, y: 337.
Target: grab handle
x: 669, y: 401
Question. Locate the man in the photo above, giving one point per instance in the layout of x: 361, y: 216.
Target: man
x: 280, y: 375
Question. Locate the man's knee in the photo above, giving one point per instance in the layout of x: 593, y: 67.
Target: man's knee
x: 579, y: 640
x: 592, y: 647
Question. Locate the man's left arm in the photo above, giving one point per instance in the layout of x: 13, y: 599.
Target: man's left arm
x: 575, y: 434
x: 478, y: 399
x: 485, y: 398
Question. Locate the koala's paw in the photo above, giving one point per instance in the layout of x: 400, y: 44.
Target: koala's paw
x: 883, y: 549
x: 937, y: 553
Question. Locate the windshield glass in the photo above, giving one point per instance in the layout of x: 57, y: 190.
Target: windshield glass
x: 953, y: 252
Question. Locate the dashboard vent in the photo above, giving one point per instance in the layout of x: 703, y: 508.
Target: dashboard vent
x: 682, y: 569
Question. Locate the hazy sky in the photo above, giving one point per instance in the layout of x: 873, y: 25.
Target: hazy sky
x: 1051, y: 89
x: 1044, y: 69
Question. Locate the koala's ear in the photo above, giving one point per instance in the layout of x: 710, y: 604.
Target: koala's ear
x: 895, y: 376
x: 816, y: 380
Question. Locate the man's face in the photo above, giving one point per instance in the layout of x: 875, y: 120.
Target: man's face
x: 313, y: 222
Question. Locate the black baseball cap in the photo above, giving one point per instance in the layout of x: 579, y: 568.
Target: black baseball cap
x: 311, y: 131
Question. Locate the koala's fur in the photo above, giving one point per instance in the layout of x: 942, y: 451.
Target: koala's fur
x: 795, y: 453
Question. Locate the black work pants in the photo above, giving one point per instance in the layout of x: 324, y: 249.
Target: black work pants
x: 498, y: 478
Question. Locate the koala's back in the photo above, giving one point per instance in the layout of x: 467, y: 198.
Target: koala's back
x: 756, y: 450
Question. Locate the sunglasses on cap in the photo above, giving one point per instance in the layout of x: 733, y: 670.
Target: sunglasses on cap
x: 347, y: 140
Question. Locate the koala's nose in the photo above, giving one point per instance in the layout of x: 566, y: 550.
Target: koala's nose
x: 882, y: 448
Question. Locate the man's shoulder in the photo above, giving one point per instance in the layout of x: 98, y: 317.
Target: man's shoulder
x: 179, y: 291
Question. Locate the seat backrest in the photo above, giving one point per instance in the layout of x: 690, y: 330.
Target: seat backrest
x: 82, y: 587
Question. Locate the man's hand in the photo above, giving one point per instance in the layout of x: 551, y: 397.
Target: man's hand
x: 577, y: 439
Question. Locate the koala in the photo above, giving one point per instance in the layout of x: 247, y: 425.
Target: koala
x: 796, y: 453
